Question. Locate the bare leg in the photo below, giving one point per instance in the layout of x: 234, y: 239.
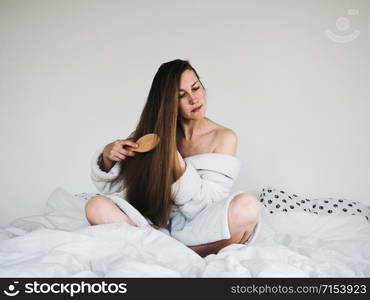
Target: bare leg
x: 242, y: 217
x: 102, y: 210
x: 244, y: 237
x: 213, y: 248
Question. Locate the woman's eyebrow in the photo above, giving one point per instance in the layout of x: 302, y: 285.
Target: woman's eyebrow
x: 191, y: 85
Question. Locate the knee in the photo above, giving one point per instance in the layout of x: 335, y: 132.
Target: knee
x: 95, y: 208
x: 244, y: 210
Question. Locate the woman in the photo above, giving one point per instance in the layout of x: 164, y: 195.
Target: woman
x: 189, y: 198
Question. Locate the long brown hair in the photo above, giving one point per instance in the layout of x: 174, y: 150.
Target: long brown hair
x: 148, y: 177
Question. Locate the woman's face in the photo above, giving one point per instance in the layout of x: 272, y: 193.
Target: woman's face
x: 191, y: 96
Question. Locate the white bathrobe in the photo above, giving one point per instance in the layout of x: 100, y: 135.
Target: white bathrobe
x: 201, y: 195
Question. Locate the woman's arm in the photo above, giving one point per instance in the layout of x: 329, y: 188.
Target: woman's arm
x: 103, y: 180
x: 195, y: 190
x: 105, y: 164
x: 181, y: 161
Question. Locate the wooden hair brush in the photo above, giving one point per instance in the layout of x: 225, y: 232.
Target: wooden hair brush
x: 146, y: 143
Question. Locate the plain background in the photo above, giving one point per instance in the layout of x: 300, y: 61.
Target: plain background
x: 74, y: 76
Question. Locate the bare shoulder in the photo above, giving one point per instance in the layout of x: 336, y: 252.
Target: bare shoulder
x: 226, y: 141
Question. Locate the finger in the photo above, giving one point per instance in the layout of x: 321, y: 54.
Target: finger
x: 120, y: 156
x: 119, y: 147
x: 121, y: 143
x: 114, y: 158
x: 127, y: 152
x: 131, y: 143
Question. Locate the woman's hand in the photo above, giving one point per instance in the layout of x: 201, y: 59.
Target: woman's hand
x: 115, y: 151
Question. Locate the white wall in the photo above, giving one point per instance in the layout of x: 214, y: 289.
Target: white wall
x: 74, y: 75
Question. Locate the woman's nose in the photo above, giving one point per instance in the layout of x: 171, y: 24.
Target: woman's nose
x: 192, y: 98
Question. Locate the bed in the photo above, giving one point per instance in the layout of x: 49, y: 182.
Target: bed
x: 291, y: 243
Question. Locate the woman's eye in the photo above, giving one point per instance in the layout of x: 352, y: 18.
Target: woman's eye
x: 194, y: 89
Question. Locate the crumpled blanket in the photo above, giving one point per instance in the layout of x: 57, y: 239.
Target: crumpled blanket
x: 61, y: 243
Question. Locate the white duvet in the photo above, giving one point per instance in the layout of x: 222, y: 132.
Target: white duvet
x: 61, y: 243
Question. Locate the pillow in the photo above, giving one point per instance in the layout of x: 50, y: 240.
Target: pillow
x: 279, y: 201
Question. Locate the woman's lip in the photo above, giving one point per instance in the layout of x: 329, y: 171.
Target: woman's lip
x: 197, y: 108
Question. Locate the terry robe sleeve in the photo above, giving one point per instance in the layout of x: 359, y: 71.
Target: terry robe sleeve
x: 103, y: 180
x: 207, y: 178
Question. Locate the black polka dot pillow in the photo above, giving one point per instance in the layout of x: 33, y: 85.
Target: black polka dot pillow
x: 277, y: 201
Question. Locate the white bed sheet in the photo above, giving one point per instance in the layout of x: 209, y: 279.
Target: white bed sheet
x: 61, y: 243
